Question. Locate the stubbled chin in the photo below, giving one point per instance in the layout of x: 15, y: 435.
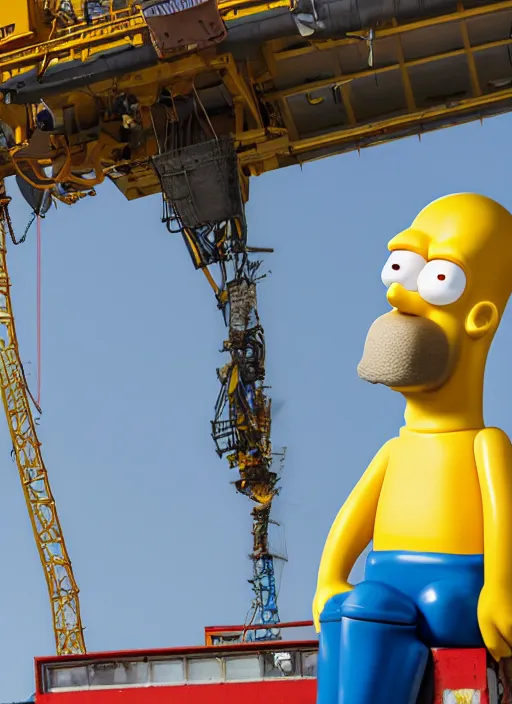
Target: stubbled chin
x: 405, y: 352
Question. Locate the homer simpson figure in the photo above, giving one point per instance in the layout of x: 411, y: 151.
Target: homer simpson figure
x: 436, y: 500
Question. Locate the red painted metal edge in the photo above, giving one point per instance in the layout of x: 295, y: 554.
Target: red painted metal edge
x: 277, y: 692
x: 235, y: 629
x: 163, y: 652
x: 456, y: 669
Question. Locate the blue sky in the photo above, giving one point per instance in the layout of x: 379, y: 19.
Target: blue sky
x: 158, y: 538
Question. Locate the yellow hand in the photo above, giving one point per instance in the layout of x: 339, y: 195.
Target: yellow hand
x: 495, y: 620
x: 322, y: 596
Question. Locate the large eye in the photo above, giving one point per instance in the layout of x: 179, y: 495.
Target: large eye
x: 403, y: 267
x: 441, y: 283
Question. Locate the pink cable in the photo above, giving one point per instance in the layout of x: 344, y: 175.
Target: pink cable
x: 38, y: 284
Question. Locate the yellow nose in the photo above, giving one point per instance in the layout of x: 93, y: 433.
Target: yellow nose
x: 408, y: 302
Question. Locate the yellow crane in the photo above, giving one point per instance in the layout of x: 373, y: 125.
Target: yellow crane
x: 60, y: 581
x: 191, y: 98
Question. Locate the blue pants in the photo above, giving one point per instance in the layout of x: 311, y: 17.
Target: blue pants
x: 375, y: 640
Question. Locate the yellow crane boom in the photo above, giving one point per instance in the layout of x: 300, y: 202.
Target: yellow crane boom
x: 50, y: 543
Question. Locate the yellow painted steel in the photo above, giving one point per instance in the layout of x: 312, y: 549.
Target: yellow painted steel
x: 401, y: 121
x: 14, y: 21
x: 51, y: 547
x: 261, y: 147
x: 390, y: 68
x: 235, y: 9
x: 397, y: 29
x: 126, y: 26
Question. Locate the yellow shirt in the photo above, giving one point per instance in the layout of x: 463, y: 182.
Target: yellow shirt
x: 430, y: 500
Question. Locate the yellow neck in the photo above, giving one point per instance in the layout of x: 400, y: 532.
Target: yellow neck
x: 458, y: 404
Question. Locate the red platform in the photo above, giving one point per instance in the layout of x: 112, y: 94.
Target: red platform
x: 247, y: 672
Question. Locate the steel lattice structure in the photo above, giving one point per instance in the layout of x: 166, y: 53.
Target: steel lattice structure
x: 48, y: 535
x: 242, y: 431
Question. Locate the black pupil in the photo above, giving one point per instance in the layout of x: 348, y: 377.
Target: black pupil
x: 395, y: 267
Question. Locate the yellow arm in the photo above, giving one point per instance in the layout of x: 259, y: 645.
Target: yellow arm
x: 493, y: 456
x: 350, y: 533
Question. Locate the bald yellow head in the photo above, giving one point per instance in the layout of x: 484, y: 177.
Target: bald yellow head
x: 449, y: 277
x: 471, y: 231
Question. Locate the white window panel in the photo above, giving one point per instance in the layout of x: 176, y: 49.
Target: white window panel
x: 118, y: 674
x: 204, y: 670
x: 244, y: 668
x: 67, y: 678
x: 167, y: 671
x: 309, y: 664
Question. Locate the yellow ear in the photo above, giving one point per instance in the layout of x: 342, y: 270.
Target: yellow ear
x: 482, y: 319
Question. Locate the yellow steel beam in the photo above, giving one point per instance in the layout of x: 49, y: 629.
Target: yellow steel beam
x: 327, y: 44
x: 269, y: 56
x: 361, y: 131
x: 238, y: 87
x: 473, y: 73
x: 345, y: 91
x: 239, y: 114
x: 346, y: 96
x: 406, y: 81
x: 270, y: 63
x: 80, y: 40
x: 120, y: 28
x: 235, y: 9
x: 315, y: 85
x: 289, y: 122
x: 58, y: 573
x: 256, y: 160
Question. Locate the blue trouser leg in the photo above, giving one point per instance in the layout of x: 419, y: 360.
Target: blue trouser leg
x: 380, y: 656
x: 328, y: 669
x: 445, y: 589
x: 380, y: 662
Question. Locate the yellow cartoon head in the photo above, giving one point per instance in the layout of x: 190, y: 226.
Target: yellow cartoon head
x: 449, y: 277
